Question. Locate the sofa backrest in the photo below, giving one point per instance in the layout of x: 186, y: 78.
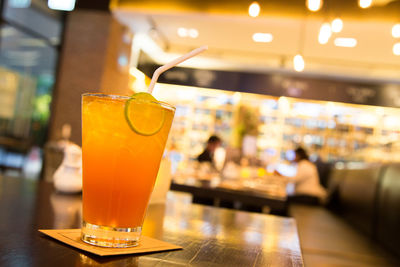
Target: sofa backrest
x: 388, y: 209
x: 358, y: 195
x: 324, y: 169
x: 369, y: 199
x: 336, y: 180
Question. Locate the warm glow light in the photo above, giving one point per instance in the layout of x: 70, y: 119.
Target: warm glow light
x: 137, y: 73
x: 364, y: 3
x: 391, y: 122
x: 193, y: 33
x: 396, y: 30
x: 330, y: 106
x: 182, y: 32
x: 236, y: 97
x: 298, y: 63
x: 260, y: 37
x: 337, y: 25
x: 396, y: 49
x: 284, y: 105
x: 254, y: 9
x: 65, y: 5
x: 314, y: 5
x: 380, y: 111
x: 139, y: 83
x: 325, y: 33
x: 345, y: 42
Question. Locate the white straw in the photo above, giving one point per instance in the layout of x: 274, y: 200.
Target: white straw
x: 173, y: 63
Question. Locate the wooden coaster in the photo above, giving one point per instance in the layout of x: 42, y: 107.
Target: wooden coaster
x: 72, y: 237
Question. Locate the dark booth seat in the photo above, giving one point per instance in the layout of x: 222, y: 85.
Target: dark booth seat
x: 388, y: 209
x: 361, y: 225
x: 358, y: 193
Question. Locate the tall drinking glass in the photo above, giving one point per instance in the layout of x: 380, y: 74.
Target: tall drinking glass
x: 123, y: 140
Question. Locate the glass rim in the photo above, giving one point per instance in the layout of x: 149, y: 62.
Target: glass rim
x: 102, y: 95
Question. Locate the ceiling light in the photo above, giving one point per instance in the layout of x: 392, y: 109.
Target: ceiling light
x: 396, y: 49
x: 182, y: 32
x: 193, y: 33
x: 345, y: 42
x: 65, y: 5
x: 254, y: 9
x: 337, y: 25
x: 364, y: 3
x: 325, y: 33
x: 396, y: 30
x: 314, y: 5
x: 298, y: 63
x: 260, y: 37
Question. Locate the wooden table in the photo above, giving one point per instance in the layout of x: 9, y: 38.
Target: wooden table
x: 274, y: 198
x: 210, y: 236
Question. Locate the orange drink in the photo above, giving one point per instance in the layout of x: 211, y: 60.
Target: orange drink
x: 123, y: 140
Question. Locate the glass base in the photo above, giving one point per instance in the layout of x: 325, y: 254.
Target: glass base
x: 106, y: 236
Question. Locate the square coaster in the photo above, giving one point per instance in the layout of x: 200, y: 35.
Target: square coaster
x: 72, y: 237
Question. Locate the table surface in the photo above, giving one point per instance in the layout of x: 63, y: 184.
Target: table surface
x: 210, y: 236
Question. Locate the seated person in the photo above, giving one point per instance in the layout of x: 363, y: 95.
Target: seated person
x: 308, y: 189
x: 208, y: 154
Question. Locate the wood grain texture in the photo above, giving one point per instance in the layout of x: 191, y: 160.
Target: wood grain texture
x: 210, y: 236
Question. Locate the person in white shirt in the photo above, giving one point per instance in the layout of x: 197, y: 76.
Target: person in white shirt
x: 307, y: 185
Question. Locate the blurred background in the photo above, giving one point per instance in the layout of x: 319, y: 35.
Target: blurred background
x: 321, y: 74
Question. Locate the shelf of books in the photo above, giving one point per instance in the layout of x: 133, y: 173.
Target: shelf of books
x: 331, y: 131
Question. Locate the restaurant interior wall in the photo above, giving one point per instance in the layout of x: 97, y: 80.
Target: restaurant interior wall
x: 94, y: 59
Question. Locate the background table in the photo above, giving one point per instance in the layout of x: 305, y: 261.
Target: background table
x: 271, y: 196
x: 210, y: 236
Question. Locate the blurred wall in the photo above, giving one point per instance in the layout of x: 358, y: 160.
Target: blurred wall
x: 116, y: 78
x: 88, y: 63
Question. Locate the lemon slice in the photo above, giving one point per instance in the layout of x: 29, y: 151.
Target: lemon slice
x: 144, y: 115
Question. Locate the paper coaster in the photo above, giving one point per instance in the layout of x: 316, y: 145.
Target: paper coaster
x: 72, y: 237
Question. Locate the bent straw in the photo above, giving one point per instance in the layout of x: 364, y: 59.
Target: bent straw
x: 173, y: 63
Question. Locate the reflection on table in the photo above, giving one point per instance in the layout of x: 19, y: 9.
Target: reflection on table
x: 67, y: 210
